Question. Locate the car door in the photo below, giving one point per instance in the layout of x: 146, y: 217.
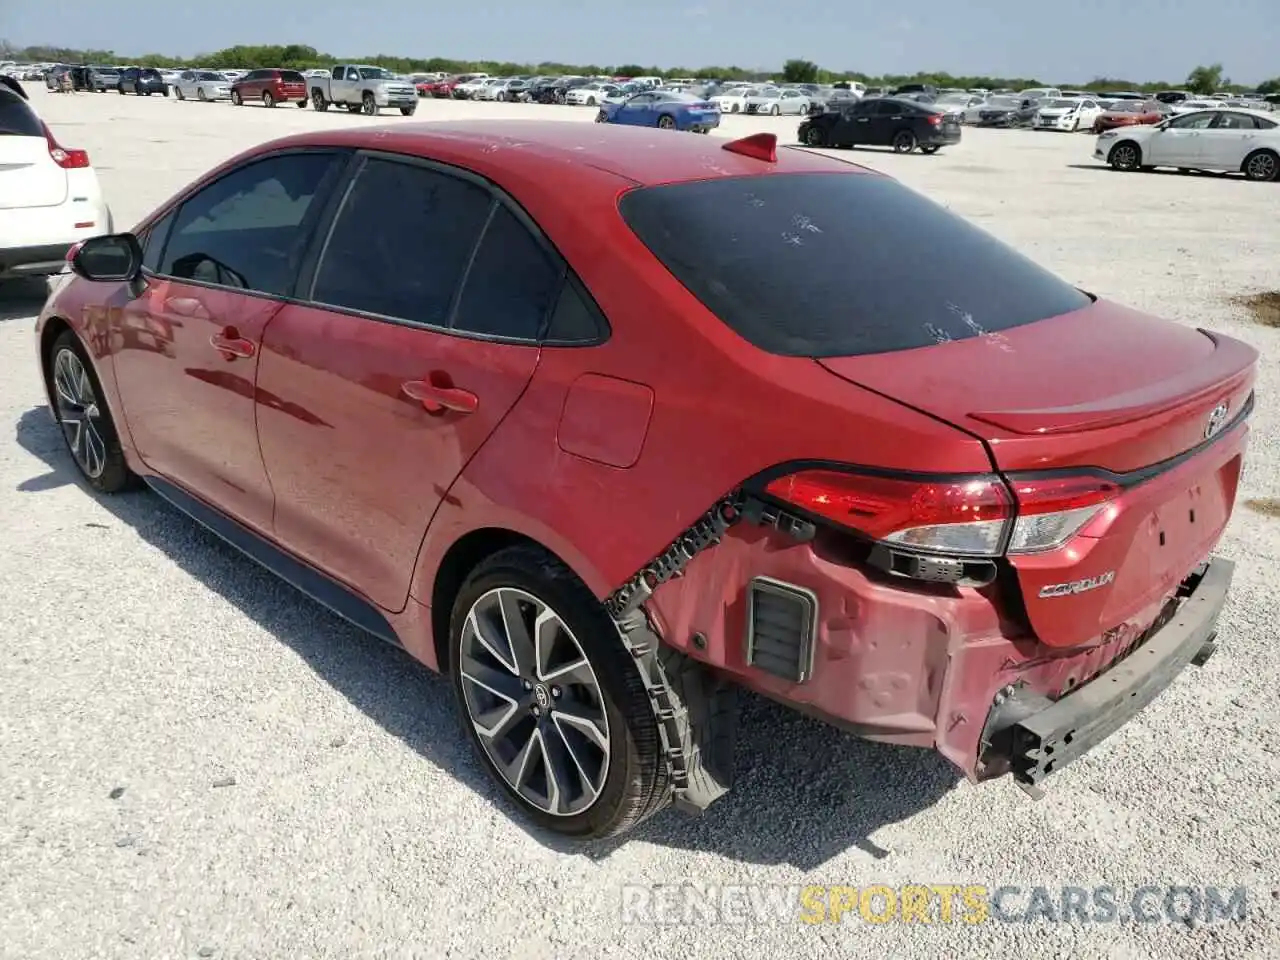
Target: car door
x: 638, y: 111
x: 1178, y: 144
x: 187, y: 349
x: 886, y: 117
x: 1228, y: 140
x: 351, y: 85
x: 414, y: 336
x: 854, y: 126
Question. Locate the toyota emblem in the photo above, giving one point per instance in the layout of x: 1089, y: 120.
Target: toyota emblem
x: 1217, y: 420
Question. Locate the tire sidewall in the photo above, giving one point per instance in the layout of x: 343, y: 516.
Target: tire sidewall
x: 1249, y: 159
x: 116, y: 474
x: 599, y: 638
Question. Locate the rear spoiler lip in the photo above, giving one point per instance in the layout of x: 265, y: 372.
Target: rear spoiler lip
x: 1231, y: 365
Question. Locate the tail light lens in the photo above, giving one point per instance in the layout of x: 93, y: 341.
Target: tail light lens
x: 66, y: 159
x: 969, y: 517
x: 964, y: 518
x: 936, y: 119
x: 1052, y: 511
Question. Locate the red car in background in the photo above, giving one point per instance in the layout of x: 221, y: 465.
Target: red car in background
x: 439, y: 88
x: 1129, y: 113
x: 606, y: 455
x: 270, y: 86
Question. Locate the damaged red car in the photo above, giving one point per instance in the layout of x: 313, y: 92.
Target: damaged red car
x: 728, y: 416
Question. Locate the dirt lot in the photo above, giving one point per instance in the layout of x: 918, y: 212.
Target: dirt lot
x: 197, y: 761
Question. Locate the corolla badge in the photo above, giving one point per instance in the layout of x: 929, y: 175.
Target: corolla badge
x: 1077, y: 586
x: 1217, y: 420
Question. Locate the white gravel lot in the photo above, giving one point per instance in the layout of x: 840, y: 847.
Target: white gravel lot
x: 143, y: 656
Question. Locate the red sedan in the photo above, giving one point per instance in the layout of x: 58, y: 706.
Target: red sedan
x: 726, y: 415
x: 1128, y: 113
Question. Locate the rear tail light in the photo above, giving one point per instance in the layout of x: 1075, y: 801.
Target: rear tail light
x: 66, y: 159
x: 966, y: 517
x: 936, y: 119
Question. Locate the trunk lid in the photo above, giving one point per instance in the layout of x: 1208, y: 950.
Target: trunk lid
x: 28, y: 175
x: 1103, y: 389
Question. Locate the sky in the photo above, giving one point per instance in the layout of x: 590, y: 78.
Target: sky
x: 1138, y: 40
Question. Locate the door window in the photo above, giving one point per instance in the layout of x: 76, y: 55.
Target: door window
x: 1235, y: 121
x: 512, y: 283
x: 246, y: 230
x: 1193, y: 121
x: 401, y: 242
x: 153, y: 242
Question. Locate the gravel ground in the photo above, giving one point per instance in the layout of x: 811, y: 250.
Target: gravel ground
x: 197, y: 761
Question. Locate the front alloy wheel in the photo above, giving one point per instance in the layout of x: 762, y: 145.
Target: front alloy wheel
x: 84, y: 419
x: 1125, y: 156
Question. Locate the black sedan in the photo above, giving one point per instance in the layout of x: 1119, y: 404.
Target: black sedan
x: 881, y: 122
x: 144, y: 81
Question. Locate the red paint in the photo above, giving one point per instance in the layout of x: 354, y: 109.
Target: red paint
x: 605, y: 419
x: 368, y: 449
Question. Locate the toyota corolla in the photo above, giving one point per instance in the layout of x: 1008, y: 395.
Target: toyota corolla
x: 726, y: 415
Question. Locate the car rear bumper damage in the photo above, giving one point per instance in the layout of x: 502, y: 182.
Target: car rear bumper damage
x: 1031, y: 736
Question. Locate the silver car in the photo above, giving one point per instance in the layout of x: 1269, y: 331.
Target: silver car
x: 202, y: 85
x: 789, y: 101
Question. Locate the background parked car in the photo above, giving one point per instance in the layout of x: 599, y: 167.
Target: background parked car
x: 791, y: 102
x: 1128, y: 113
x: 590, y: 94
x: 144, y: 81
x: 661, y: 108
x: 201, y: 85
x: 904, y: 125
x: 1229, y: 141
x: 271, y: 86
x: 1068, y: 114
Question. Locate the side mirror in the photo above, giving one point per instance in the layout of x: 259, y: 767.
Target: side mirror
x: 112, y: 258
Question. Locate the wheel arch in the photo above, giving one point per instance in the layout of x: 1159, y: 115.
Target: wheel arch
x: 53, y: 328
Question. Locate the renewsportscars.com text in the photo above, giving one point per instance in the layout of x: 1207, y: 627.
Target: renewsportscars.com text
x: 686, y: 903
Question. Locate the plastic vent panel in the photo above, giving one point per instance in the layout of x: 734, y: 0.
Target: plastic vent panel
x: 781, y: 619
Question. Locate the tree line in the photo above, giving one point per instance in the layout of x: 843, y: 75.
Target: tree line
x: 1202, y: 79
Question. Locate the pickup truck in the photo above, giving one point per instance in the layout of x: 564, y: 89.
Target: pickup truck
x: 362, y: 89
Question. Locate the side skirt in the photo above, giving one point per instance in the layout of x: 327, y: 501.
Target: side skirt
x: 320, y: 588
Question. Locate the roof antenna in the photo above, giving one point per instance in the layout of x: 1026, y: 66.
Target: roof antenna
x: 758, y: 146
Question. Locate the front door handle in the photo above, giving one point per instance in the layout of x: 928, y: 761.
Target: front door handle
x: 231, y: 345
x: 439, y: 399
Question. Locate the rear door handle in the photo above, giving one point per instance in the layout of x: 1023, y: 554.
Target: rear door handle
x: 231, y: 345
x: 439, y: 399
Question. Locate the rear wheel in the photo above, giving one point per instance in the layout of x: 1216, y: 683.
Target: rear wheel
x: 82, y: 413
x: 904, y: 141
x: 318, y: 101
x: 408, y: 111
x: 930, y: 149
x: 1126, y: 156
x: 236, y: 98
x: 815, y: 137
x: 368, y: 105
x: 178, y: 91
x: 1262, y: 166
x: 353, y: 108
x: 551, y: 699
x: 267, y: 99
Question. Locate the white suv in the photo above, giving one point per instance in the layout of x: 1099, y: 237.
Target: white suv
x: 49, y: 194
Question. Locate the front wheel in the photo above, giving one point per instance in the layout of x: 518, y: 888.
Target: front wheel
x: 368, y: 105
x: 236, y: 98
x: 86, y: 423
x: 267, y: 99
x: 602, y: 117
x: 591, y: 101
x: 814, y: 137
x: 551, y: 699
x: 1125, y: 156
x: 407, y: 111
x: 178, y: 93
x: 904, y: 142
x: 930, y: 149
x: 774, y: 110
x: 666, y: 121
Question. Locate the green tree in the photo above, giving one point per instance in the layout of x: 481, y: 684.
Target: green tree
x: 800, y: 71
x: 1205, y: 80
x: 1270, y: 86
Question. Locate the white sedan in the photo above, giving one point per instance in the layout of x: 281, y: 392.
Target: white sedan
x: 1069, y: 114
x: 50, y: 198
x: 202, y: 85
x: 591, y: 94
x: 1230, y: 141
x: 780, y: 102
x: 735, y: 100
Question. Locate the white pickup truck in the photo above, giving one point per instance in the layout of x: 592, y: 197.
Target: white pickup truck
x: 362, y: 89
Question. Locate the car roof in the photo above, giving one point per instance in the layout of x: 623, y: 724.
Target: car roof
x: 643, y: 155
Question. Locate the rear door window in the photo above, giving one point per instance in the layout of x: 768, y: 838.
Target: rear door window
x: 17, y: 119
x: 826, y: 265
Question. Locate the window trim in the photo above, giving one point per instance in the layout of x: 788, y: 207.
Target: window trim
x: 305, y: 288
x: 328, y: 184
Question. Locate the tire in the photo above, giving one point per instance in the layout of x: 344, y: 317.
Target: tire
x: 236, y: 98
x: 301, y: 104
x: 86, y: 424
x: 602, y: 117
x: 353, y: 108
x: 815, y: 137
x: 1075, y: 125
x: 368, y: 105
x: 318, y: 102
x: 775, y: 110
x: 178, y: 92
x: 267, y: 99
x: 613, y: 774
x: 666, y: 121
x: 933, y: 148
x: 1125, y: 156
x: 904, y: 141
x: 120, y: 89
x: 733, y: 108
x: 1262, y: 166
x: 407, y: 111
x: 591, y: 101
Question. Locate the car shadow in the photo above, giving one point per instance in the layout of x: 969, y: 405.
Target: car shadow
x: 805, y: 792
x: 21, y: 298
x: 1159, y: 172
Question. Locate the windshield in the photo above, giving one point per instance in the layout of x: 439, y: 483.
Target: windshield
x: 1002, y: 103
x: 374, y: 73
x: 953, y: 98
x: 1127, y: 106
x: 1062, y: 104
x: 829, y: 264
x: 209, y: 75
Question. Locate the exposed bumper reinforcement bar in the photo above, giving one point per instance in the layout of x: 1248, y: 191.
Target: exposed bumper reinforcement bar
x: 1039, y: 736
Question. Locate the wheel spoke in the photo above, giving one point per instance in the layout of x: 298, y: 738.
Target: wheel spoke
x: 497, y: 682
x: 584, y: 722
x: 560, y: 770
x: 479, y: 626
x: 518, y: 640
x: 95, y: 451
x: 586, y: 779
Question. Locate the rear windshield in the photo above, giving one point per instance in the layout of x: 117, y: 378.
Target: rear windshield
x: 826, y: 265
x: 292, y: 76
x: 16, y: 118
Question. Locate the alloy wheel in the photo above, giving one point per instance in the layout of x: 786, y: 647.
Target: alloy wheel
x: 1125, y: 157
x: 1262, y: 166
x: 534, y: 701
x: 78, y: 413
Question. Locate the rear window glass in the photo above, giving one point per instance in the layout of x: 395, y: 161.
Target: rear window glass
x: 16, y: 118
x: 292, y: 76
x: 825, y: 265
